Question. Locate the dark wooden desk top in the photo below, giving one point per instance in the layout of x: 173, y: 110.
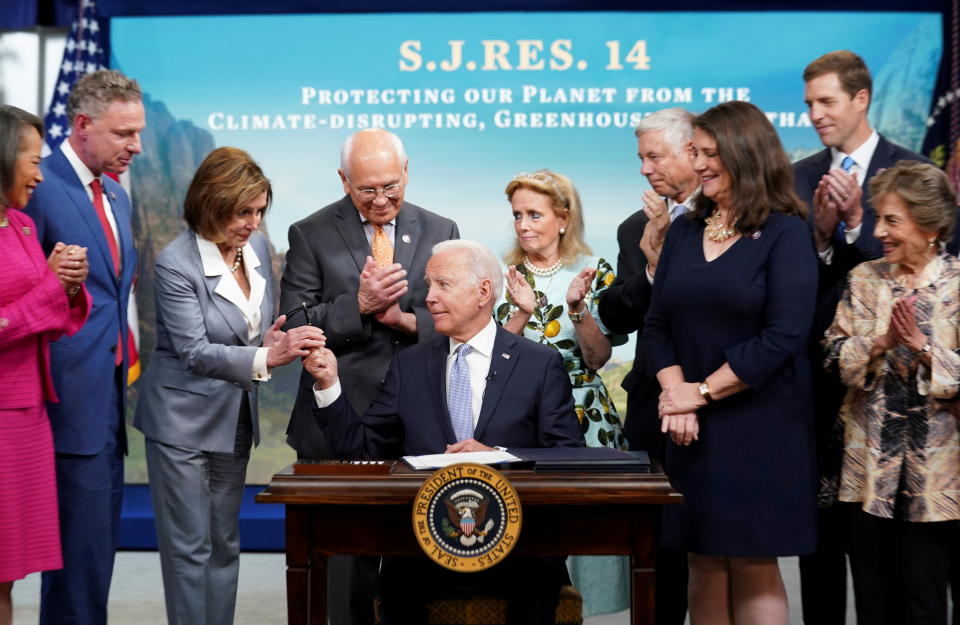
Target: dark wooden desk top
x: 395, y: 484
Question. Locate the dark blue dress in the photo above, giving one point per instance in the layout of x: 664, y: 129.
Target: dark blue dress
x: 749, y: 482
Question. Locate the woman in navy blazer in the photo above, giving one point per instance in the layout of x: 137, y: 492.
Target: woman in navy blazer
x: 198, y: 398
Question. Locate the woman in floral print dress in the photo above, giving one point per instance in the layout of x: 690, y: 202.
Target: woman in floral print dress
x: 895, y: 344
x: 553, y: 286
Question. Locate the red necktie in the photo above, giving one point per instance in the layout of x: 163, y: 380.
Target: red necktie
x: 107, y: 230
x: 114, y: 252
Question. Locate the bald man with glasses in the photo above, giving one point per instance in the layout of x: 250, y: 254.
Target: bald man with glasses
x: 355, y: 268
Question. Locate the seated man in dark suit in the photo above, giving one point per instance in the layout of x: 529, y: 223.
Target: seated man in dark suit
x: 475, y: 387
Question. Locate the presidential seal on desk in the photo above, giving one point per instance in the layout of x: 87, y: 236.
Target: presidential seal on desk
x: 467, y: 517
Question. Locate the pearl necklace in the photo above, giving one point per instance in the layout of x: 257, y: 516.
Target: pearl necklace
x: 716, y: 231
x: 545, y: 272
x: 237, y: 260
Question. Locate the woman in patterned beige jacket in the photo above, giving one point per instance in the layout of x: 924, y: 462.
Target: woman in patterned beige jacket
x: 895, y: 344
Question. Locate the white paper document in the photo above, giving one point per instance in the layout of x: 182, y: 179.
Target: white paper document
x: 437, y: 461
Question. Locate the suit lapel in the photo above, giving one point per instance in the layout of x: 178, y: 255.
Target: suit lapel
x: 78, y: 195
x: 882, y: 155
x: 263, y: 270
x: 502, y: 361
x: 121, y: 215
x: 266, y: 304
x: 823, y: 166
x: 230, y: 313
x: 437, y: 382
x: 406, y: 238
x: 351, y: 231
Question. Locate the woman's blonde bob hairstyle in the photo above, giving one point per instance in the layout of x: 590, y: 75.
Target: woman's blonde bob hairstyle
x: 565, y: 202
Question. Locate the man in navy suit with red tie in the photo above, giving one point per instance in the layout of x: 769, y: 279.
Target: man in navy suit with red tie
x: 78, y: 203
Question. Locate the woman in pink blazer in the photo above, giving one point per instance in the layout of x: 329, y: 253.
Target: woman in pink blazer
x: 40, y: 299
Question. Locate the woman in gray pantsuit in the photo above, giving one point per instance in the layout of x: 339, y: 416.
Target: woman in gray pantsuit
x: 198, y: 398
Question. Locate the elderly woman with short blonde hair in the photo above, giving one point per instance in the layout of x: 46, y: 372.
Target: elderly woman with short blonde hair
x: 553, y: 286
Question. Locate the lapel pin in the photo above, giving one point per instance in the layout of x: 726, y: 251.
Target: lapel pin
x: 26, y: 230
x: 405, y: 238
x: 756, y: 234
x: 507, y: 356
x: 113, y: 196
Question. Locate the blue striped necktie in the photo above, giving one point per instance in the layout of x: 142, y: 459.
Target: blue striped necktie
x: 846, y: 165
x: 459, y: 396
x: 678, y: 209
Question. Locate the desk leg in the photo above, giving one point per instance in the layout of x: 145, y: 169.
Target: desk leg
x: 642, y: 573
x: 306, y: 577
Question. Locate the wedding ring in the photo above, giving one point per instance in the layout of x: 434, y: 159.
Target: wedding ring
x: 658, y: 214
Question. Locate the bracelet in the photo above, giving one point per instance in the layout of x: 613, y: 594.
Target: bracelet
x: 704, y: 389
x: 576, y: 317
x: 73, y: 290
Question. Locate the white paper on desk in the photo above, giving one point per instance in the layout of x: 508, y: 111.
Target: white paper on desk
x: 437, y: 461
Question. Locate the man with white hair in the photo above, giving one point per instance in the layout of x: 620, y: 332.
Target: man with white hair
x: 348, y: 265
x: 474, y: 387
x: 663, y: 142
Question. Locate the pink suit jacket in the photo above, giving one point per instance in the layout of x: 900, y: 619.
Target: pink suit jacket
x: 34, y: 310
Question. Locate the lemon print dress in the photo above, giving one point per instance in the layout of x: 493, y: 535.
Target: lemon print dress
x: 549, y: 324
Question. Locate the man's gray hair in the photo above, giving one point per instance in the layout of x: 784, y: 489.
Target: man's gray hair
x: 95, y: 92
x: 676, y: 124
x: 346, y: 150
x: 480, y: 259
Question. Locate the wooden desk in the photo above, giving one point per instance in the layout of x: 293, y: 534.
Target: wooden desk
x: 368, y: 514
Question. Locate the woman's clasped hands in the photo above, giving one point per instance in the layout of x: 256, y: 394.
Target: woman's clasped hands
x: 69, y: 263
x: 677, y: 409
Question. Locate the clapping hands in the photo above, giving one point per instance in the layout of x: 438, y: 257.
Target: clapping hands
x: 903, y: 329
x: 380, y: 287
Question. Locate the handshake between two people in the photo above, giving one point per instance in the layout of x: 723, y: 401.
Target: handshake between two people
x: 378, y: 294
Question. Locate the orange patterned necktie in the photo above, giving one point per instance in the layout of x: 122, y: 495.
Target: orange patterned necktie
x: 380, y: 247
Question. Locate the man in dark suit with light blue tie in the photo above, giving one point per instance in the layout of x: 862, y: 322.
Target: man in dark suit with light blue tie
x: 834, y: 182
x: 79, y: 204
x: 474, y: 387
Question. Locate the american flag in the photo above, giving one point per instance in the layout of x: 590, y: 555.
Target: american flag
x: 942, y: 142
x: 82, y: 55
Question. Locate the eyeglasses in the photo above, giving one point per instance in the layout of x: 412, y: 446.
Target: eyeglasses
x: 391, y: 191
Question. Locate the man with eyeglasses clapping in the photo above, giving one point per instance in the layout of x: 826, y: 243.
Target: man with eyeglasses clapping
x: 358, y: 265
